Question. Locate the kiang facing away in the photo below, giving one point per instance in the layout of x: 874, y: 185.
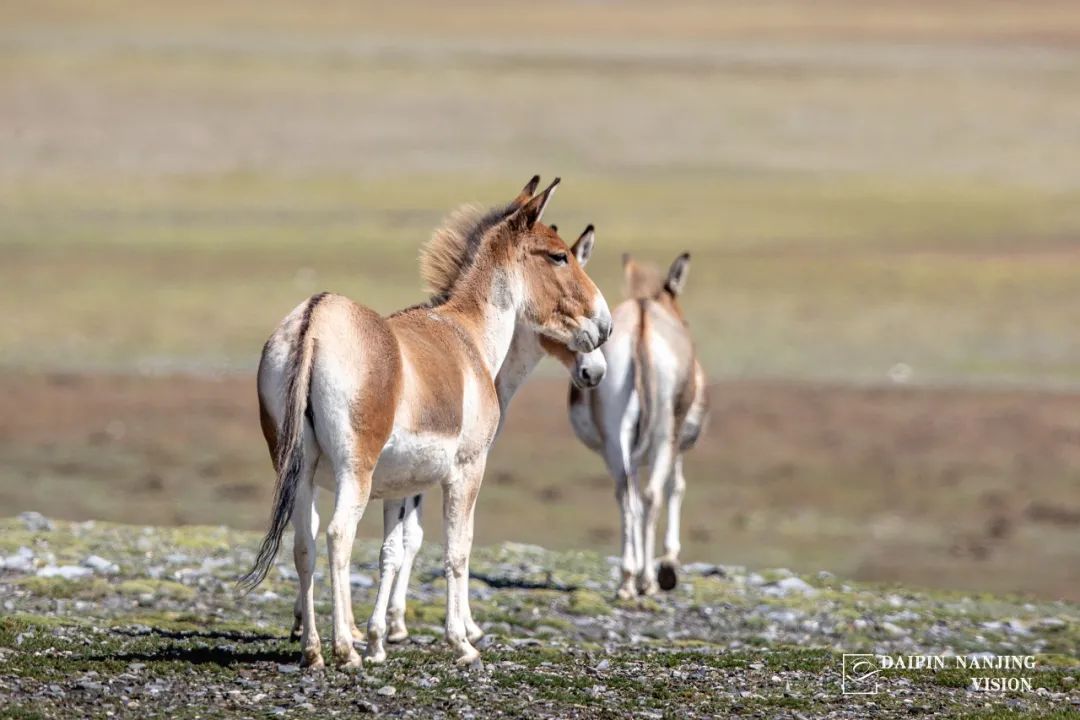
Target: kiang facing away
x: 650, y: 408
x: 387, y: 407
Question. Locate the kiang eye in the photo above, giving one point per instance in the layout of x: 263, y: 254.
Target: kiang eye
x: 559, y: 258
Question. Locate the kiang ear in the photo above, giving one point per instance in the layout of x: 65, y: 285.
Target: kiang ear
x: 583, y: 247
x: 526, y: 193
x: 530, y: 213
x: 554, y: 229
x: 676, y: 277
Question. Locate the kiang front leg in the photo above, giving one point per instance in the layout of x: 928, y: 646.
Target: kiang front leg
x: 390, y: 560
x: 459, y: 499
x: 413, y: 535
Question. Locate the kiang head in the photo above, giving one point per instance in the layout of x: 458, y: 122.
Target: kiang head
x: 558, y: 300
x: 644, y: 280
x: 586, y: 368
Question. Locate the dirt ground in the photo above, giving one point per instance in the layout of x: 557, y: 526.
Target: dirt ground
x: 972, y: 489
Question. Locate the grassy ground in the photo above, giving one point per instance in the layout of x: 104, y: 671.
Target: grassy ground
x: 159, y: 634
x: 861, y: 185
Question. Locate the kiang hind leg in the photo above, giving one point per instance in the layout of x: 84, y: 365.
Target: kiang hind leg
x: 660, y: 470
x: 305, y: 532
x: 667, y: 575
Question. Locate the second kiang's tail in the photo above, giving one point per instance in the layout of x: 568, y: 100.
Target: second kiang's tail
x: 644, y: 387
x: 290, y: 449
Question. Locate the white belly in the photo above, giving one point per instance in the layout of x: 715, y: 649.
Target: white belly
x: 410, y: 463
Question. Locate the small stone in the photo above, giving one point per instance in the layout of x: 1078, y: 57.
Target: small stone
x: 366, y: 707
x: 789, y: 586
x: 101, y: 565
x: 894, y: 630
x: 35, y: 521
x: 68, y: 572
x: 603, y: 665
x: 288, y: 669
x: 21, y: 561
x: 360, y: 580
x: 387, y: 691
x: 700, y: 568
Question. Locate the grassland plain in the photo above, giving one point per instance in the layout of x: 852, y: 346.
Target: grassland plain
x: 859, y: 189
x: 104, y: 620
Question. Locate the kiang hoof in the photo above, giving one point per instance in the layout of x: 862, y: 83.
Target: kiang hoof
x: 667, y: 575
x: 347, y: 659
x: 648, y: 588
x: 626, y: 592
x: 357, y: 636
x: 375, y: 657
x: 398, y: 635
x: 312, y: 660
x: 475, y: 634
x: 468, y: 657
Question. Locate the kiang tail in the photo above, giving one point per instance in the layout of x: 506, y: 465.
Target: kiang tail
x: 290, y: 455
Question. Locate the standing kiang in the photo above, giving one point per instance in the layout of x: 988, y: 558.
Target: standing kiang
x: 376, y: 407
x: 441, y: 262
x: 649, y: 410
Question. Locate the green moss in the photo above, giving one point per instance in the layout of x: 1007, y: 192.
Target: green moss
x: 588, y: 602
x: 91, y: 588
x: 158, y: 588
x: 426, y: 613
x: 21, y: 712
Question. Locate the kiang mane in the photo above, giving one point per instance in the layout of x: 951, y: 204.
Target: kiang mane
x: 451, y: 251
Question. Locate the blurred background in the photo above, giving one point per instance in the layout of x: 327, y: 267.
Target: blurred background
x: 882, y: 201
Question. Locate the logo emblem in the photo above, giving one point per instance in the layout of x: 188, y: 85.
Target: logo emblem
x: 860, y: 676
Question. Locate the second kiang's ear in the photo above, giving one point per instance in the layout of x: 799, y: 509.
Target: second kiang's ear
x: 676, y: 278
x: 531, y: 212
x: 582, y: 249
x: 526, y: 193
